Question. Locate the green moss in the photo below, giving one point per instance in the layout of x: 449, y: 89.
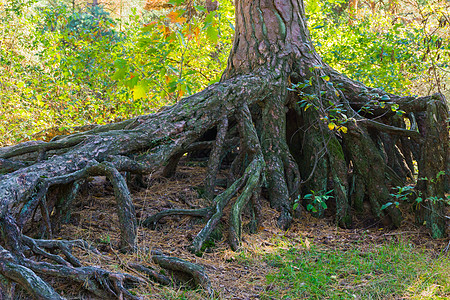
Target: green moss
x: 217, y: 234
x: 436, y: 232
x: 207, y: 244
x: 282, y: 25
x: 336, y: 149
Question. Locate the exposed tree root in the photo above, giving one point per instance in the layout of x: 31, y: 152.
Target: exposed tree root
x: 250, y: 190
x: 152, y: 274
x: 8, y: 166
x: 217, y: 211
x: 98, y: 281
x: 15, y: 266
x: 184, y: 271
x: 28, y: 193
x: 433, y: 166
x: 153, y: 219
x: 215, y: 159
x: 254, y: 175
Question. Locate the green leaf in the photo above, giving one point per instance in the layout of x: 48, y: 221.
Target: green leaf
x: 119, y: 74
x: 394, y: 107
x: 384, y: 206
x: 310, y: 207
x: 212, y: 34
x: 200, y: 8
x: 302, y: 103
x: 120, y: 63
x: 176, y: 2
x: 132, y: 82
x: 209, y: 18
x: 139, y: 91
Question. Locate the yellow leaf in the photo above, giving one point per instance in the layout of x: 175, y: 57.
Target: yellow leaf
x: 139, y: 92
x: 331, y: 126
x: 343, y: 129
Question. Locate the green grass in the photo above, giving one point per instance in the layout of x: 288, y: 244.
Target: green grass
x: 388, y: 271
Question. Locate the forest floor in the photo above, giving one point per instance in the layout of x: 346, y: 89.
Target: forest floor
x: 256, y: 272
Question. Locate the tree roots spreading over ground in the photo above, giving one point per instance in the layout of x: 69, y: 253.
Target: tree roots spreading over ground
x: 288, y: 123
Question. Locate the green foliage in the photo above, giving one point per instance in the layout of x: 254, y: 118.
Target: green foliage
x: 401, y: 195
x: 331, y: 113
x: 409, y: 195
x: 178, y: 53
x: 394, y: 51
x: 105, y: 240
x: 88, y: 24
x: 56, y: 70
x: 315, y: 199
x: 69, y: 66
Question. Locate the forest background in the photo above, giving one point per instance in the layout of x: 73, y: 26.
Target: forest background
x: 68, y: 63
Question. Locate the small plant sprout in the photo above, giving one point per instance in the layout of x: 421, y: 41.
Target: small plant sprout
x: 316, y: 199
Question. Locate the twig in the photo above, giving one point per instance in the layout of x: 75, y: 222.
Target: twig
x: 403, y: 232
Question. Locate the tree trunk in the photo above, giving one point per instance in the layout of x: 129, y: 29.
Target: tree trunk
x: 297, y: 127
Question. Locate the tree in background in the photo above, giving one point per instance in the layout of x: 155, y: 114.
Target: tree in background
x: 293, y: 128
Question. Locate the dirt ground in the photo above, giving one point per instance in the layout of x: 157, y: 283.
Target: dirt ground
x: 94, y: 219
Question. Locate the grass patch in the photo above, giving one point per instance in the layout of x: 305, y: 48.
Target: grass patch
x: 387, y: 271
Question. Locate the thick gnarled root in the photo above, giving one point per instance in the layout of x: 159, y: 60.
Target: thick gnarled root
x: 184, y: 271
x: 19, y: 269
